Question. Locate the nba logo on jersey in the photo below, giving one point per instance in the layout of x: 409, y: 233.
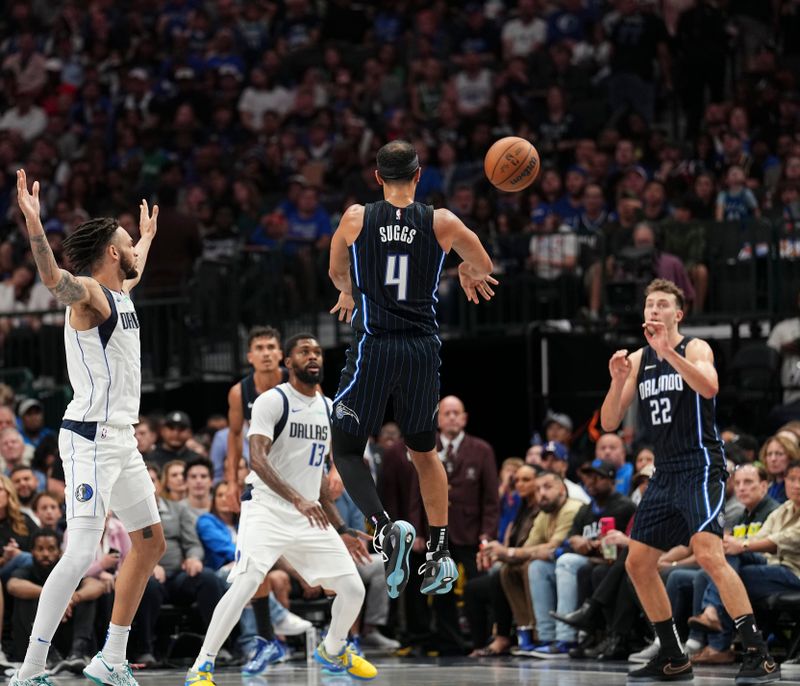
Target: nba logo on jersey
x: 104, y: 432
x: 397, y: 215
x: 84, y: 492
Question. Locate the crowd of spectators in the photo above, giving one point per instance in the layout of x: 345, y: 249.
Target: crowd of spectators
x: 253, y: 124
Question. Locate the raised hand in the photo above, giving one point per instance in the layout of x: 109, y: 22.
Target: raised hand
x: 620, y: 366
x: 147, y: 222
x: 656, y: 335
x: 28, y: 202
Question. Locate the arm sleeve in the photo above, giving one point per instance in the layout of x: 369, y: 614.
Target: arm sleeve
x: 267, y: 411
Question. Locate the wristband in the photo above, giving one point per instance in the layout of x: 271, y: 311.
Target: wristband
x: 342, y: 529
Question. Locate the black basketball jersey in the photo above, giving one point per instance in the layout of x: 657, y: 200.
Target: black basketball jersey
x: 395, y: 264
x: 678, y: 420
x: 249, y: 392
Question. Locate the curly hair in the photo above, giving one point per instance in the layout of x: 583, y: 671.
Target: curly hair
x: 13, y: 512
x: 85, y: 246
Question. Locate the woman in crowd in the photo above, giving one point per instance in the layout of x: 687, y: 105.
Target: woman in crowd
x: 15, y: 531
x: 173, y: 484
x: 775, y: 455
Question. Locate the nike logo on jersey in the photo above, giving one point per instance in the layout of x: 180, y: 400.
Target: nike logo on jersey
x: 300, y: 409
x: 649, y: 366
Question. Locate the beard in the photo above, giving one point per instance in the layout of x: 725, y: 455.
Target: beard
x: 128, y: 268
x: 307, y: 377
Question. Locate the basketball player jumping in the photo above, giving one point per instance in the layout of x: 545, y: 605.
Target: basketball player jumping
x: 102, y: 466
x: 287, y: 511
x: 676, y: 383
x: 386, y: 260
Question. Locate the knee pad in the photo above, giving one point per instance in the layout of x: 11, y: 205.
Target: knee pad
x: 422, y: 442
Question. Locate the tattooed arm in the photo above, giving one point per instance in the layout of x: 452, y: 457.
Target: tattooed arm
x: 67, y: 289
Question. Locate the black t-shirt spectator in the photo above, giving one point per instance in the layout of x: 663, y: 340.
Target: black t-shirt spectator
x: 161, y: 455
x: 587, y: 521
x: 33, y: 573
x: 636, y: 38
x: 7, y: 533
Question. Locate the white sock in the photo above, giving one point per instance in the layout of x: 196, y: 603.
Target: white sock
x: 202, y: 659
x: 56, y: 593
x: 346, y: 608
x: 116, y: 644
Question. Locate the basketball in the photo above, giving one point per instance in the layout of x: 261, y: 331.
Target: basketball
x: 511, y: 164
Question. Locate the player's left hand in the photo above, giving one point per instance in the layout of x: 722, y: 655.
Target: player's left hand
x: 344, y: 306
x: 656, y: 335
x: 148, y: 223
x: 355, y: 546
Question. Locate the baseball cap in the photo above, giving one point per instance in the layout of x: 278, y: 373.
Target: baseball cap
x: 559, y: 418
x: 178, y: 418
x: 557, y: 449
x: 27, y: 405
x: 602, y: 468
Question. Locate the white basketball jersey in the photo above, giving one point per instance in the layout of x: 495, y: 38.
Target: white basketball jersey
x: 104, y: 366
x: 298, y: 453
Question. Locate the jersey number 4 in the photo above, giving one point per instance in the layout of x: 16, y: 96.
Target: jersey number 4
x: 660, y: 411
x: 397, y: 274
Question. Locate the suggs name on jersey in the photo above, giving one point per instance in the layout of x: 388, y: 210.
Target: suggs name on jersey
x: 311, y: 432
x: 397, y: 233
x: 665, y: 382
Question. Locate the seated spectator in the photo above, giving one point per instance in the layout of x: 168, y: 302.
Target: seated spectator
x: 556, y: 590
x: 47, y: 509
x: 509, y: 497
x: 553, y: 249
x: 146, y: 433
x: 27, y: 486
x: 777, y: 567
x: 751, y: 490
x: 25, y: 586
x: 173, y: 481
x: 611, y: 448
x: 179, y: 577
x: 776, y: 454
x: 684, y: 236
x: 665, y: 266
x: 198, y: 476
x: 555, y: 458
x: 8, y: 420
x: 736, y: 202
x: 785, y: 338
x: 505, y: 588
x: 16, y: 529
x: 175, y: 432
x: 13, y: 450
x: 639, y: 483
x: 48, y: 467
x: 31, y: 422
x: 549, y: 530
x: 525, y: 32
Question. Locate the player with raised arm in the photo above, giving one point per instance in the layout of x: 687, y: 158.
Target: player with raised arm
x: 287, y: 511
x: 675, y: 382
x: 103, y: 468
x: 386, y: 260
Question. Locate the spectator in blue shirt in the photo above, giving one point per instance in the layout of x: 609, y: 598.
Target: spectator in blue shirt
x: 611, y: 448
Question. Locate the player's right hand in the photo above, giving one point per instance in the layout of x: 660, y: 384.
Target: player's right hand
x: 472, y: 286
x: 313, y: 512
x: 619, y: 365
x: 344, y: 306
x: 28, y: 202
x: 233, y: 497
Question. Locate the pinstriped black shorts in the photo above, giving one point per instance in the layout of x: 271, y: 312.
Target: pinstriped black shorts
x: 679, y: 504
x: 403, y: 368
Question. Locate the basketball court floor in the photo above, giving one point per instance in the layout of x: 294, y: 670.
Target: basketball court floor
x: 440, y: 672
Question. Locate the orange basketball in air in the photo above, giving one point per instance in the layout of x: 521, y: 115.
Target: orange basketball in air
x: 511, y: 164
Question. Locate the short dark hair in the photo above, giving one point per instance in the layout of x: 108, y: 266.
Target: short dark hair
x: 20, y: 468
x: 262, y: 332
x: 155, y: 467
x: 666, y: 286
x: 150, y: 422
x: 45, y: 533
x: 794, y: 464
x: 291, y: 344
x: 397, y: 162
x: 550, y: 472
x: 85, y: 246
x: 202, y: 462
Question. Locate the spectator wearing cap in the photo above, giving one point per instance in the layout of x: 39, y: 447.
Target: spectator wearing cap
x: 175, y: 432
x: 473, y: 509
x: 555, y: 457
x: 556, y: 589
x: 31, y: 422
x: 611, y: 448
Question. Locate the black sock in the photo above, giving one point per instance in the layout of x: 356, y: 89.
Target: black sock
x: 668, y: 635
x: 438, y: 539
x: 263, y: 621
x: 752, y: 640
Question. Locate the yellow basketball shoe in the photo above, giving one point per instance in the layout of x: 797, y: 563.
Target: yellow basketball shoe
x: 204, y: 676
x: 347, y: 661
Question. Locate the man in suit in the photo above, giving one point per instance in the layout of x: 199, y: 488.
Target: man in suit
x: 473, y: 507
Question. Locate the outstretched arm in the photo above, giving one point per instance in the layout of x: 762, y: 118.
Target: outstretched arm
x: 147, y: 231
x: 624, y: 370
x: 67, y: 289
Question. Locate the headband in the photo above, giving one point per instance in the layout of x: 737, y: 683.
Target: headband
x: 408, y: 169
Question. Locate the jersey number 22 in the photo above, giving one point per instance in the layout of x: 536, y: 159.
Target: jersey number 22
x: 660, y: 411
